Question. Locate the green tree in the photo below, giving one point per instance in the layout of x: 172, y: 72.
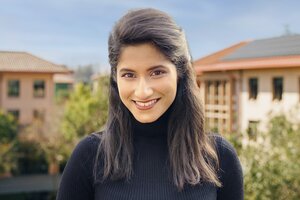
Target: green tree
x: 49, y: 139
x: 8, y: 134
x: 102, y: 98
x: 85, y: 112
x: 30, y: 158
x: 8, y: 127
x: 271, y: 161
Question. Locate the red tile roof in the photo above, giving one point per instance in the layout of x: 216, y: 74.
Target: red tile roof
x: 11, y: 61
x: 215, y: 57
x: 259, y: 63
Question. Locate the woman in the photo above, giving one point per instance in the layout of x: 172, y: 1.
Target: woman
x: 154, y: 145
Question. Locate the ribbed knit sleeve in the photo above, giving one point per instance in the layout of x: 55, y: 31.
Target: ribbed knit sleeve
x: 77, y: 179
x: 230, y: 173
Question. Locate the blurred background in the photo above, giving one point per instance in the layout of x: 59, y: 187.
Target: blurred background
x: 54, y: 77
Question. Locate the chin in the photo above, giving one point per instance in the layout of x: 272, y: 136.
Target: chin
x: 146, y: 120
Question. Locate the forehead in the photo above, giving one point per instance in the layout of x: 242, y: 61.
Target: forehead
x: 142, y: 56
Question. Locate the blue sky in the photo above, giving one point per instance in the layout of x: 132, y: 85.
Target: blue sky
x: 75, y: 32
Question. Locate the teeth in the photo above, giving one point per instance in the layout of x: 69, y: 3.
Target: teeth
x: 147, y: 103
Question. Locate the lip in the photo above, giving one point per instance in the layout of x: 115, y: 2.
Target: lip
x: 145, y: 105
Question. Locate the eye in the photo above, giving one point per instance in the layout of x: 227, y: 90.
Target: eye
x: 157, y: 73
x: 128, y: 75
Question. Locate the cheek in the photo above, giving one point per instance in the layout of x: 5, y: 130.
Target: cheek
x: 169, y: 88
x: 124, y: 91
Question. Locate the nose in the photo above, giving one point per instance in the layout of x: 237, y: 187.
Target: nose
x: 143, y: 89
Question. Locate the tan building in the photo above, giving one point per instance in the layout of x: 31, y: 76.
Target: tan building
x: 241, y: 85
x: 27, y: 85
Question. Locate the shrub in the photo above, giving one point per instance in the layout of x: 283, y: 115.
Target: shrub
x: 271, y: 162
x: 8, y: 134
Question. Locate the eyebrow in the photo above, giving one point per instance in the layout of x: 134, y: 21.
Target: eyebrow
x: 150, y: 69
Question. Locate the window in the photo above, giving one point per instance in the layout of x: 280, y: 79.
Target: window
x: 253, y: 88
x: 38, y: 115
x: 13, y: 88
x: 277, y: 88
x: 252, y: 129
x: 39, y: 88
x: 15, y: 114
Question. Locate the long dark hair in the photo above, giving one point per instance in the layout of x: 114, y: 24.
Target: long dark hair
x: 192, y: 155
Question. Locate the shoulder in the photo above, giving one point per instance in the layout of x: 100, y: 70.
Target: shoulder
x: 229, y: 162
x: 77, y: 181
x: 230, y: 170
x: 223, y: 147
x: 89, y: 143
x: 83, y: 156
x: 87, y: 147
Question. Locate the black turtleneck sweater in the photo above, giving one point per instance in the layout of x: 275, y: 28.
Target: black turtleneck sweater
x: 151, y: 178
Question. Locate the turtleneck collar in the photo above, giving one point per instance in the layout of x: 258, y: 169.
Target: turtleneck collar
x: 158, y: 128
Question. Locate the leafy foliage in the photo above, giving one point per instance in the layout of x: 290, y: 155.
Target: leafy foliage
x: 85, y: 112
x: 51, y: 141
x: 271, y: 162
x: 30, y: 158
x: 8, y: 128
x: 8, y: 134
x: 47, y: 138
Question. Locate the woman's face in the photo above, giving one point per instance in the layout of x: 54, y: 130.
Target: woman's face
x: 147, y: 81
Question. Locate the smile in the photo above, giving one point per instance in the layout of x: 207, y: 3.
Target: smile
x: 145, y: 105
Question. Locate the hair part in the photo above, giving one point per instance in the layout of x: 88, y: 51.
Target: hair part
x: 192, y: 155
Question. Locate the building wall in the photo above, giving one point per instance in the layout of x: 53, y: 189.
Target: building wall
x: 221, y: 103
x: 245, y: 109
x: 26, y: 103
x: 259, y: 109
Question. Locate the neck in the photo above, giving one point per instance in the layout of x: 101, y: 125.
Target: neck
x: 154, y: 129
